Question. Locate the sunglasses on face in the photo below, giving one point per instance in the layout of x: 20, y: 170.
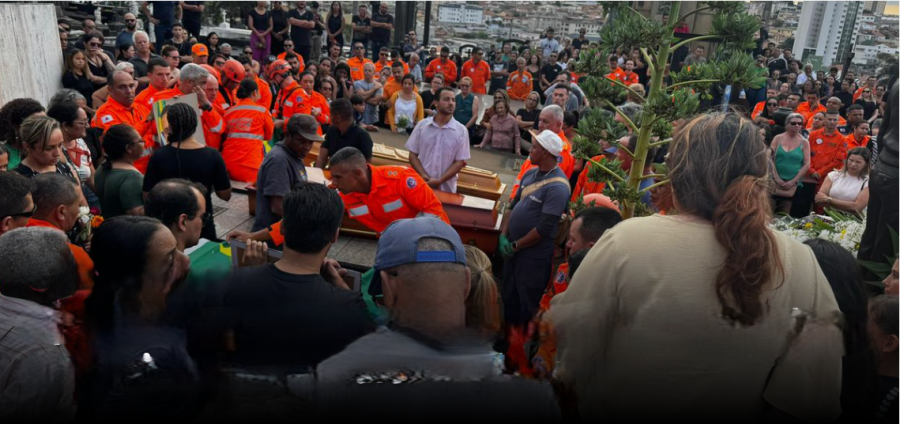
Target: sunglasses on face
x: 95, y: 44
x: 219, y: 63
x: 866, y: 91
x: 23, y: 214
x: 382, y: 54
x: 796, y: 124
x: 174, y: 57
x: 358, y: 48
x: 130, y: 20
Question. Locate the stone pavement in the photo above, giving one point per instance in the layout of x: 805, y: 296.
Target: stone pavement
x: 235, y: 215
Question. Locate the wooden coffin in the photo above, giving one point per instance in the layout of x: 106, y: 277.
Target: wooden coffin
x: 472, y: 181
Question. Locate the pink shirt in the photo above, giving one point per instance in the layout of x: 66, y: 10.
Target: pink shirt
x: 504, y: 133
x: 438, y: 147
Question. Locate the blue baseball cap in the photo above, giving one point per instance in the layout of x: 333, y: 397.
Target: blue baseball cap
x: 399, y: 245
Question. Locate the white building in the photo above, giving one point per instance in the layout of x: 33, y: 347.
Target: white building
x: 827, y: 30
x: 460, y: 14
x: 863, y: 54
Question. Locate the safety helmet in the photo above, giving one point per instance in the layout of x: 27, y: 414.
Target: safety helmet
x: 279, y: 67
x: 213, y: 71
x: 233, y: 71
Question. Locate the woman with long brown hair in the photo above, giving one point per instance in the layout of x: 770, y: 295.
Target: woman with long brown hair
x: 693, y: 315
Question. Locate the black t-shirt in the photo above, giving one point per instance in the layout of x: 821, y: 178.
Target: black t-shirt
x: 287, y: 322
x: 184, y: 48
x: 551, y: 71
x: 334, y: 24
x: 165, y: 11
x: 260, y: 21
x: 279, y: 20
x: 577, y: 43
x: 203, y: 166
x: 191, y: 18
x: 382, y: 35
x: 529, y: 116
x: 361, y: 36
x: 355, y: 136
x: 869, y: 108
x: 301, y: 36
x: 80, y: 84
x: 98, y: 71
x: 427, y: 99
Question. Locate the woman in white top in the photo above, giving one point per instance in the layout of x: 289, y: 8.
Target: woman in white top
x: 406, y: 105
x: 848, y: 189
x: 689, y: 316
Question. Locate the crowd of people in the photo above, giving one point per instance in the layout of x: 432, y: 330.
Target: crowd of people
x: 118, y: 298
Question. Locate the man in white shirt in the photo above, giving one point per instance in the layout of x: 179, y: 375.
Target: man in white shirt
x: 549, y: 44
x: 439, y: 145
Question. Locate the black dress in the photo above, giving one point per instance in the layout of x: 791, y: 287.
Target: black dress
x: 98, y: 71
x: 334, y: 24
x: 869, y: 108
x: 279, y: 23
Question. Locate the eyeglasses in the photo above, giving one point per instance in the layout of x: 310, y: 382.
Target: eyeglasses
x: 796, y: 124
x: 207, y: 217
x: 23, y: 214
x: 219, y: 63
x: 173, y: 57
x: 96, y: 45
x: 131, y: 20
x: 464, y: 86
x: 772, y: 104
x: 83, y: 122
x: 867, y: 91
x: 358, y: 48
x: 382, y: 54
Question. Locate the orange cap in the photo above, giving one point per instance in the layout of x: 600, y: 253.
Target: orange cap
x: 199, y: 50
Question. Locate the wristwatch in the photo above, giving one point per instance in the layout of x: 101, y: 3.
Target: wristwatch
x: 207, y: 107
x: 515, y: 246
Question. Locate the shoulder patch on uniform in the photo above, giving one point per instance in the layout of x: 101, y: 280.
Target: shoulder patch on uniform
x: 106, y: 119
x: 289, y: 103
x: 299, y: 99
x: 410, y: 183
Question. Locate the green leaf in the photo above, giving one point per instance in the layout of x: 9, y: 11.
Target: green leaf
x: 737, y: 31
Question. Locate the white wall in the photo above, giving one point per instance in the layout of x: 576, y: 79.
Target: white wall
x: 33, y: 63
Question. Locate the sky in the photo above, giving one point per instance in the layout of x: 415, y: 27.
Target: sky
x: 892, y: 8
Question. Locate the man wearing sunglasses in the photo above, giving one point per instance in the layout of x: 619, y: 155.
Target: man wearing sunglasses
x: 16, y: 203
x: 444, y: 66
x: 358, y: 61
x: 127, y: 35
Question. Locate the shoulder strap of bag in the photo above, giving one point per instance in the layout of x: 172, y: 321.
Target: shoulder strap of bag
x: 537, y: 186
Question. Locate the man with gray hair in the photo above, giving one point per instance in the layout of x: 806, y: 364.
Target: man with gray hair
x: 142, y: 56
x: 37, y: 378
x: 551, y: 119
x: 425, y: 362
x: 193, y: 80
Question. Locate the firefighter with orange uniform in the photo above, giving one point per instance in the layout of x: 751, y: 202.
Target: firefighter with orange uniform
x: 247, y: 126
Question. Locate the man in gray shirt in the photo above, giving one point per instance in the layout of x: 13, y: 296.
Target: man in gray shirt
x: 425, y: 363
x: 282, y: 168
x: 371, y: 92
x: 697, y: 57
x: 528, y: 231
x: 37, y: 378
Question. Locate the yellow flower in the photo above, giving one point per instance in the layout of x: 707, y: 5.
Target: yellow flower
x: 808, y: 225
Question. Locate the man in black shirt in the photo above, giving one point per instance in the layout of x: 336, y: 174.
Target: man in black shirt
x: 290, y: 315
x: 362, y: 26
x: 303, y: 22
x: 579, y: 42
x: 191, y: 12
x: 164, y: 15
x: 343, y: 133
x: 180, y: 42
x: 845, y: 95
x: 382, y: 24
x: 550, y: 71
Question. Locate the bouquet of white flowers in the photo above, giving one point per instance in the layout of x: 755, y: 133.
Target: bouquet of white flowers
x: 841, y: 228
x: 404, y: 123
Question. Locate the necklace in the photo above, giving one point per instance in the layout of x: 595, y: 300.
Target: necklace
x: 306, y: 267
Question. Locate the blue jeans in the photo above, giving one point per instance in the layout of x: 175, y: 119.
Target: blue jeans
x: 163, y: 33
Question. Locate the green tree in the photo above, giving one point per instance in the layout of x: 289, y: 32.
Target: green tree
x: 730, y: 63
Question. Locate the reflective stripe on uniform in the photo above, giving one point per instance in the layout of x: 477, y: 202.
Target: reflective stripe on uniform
x: 359, y: 211
x: 147, y: 152
x: 218, y: 128
x: 245, y: 135
x: 246, y: 107
x: 392, y: 206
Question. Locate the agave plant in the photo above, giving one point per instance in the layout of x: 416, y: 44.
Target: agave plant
x: 732, y: 28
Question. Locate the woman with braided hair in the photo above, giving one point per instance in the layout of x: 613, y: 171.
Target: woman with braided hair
x: 11, y: 117
x: 184, y: 157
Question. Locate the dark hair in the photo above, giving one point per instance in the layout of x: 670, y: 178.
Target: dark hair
x: 52, y: 190
x: 445, y: 49
x: 397, y: 64
x: 570, y: 119
x: 858, y: 123
x: 90, y: 35
x: 440, y: 91
x: 11, y: 116
x: 208, y: 36
x: 305, y: 73
x: 575, y: 260
x: 342, y: 66
x: 883, y: 309
x: 115, y: 141
x: 156, y: 62
x: 407, y: 77
x: 596, y: 220
x: 717, y: 166
x: 244, y: 60
x: 832, y: 112
x: 171, y: 198
x: 312, y: 215
x: 842, y: 272
x: 14, y: 188
x: 355, y: 99
x: 166, y: 49
x: 219, y: 55
x: 64, y: 112
x: 119, y: 249
x: 855, y: 106
x: 342, y: 108
x: 182, y: 122
x: 177, y: 25
x: 246, y: 89
x: 563, y: 86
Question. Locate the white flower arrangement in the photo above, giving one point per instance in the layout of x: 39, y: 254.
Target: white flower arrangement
x: 843, y: 229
